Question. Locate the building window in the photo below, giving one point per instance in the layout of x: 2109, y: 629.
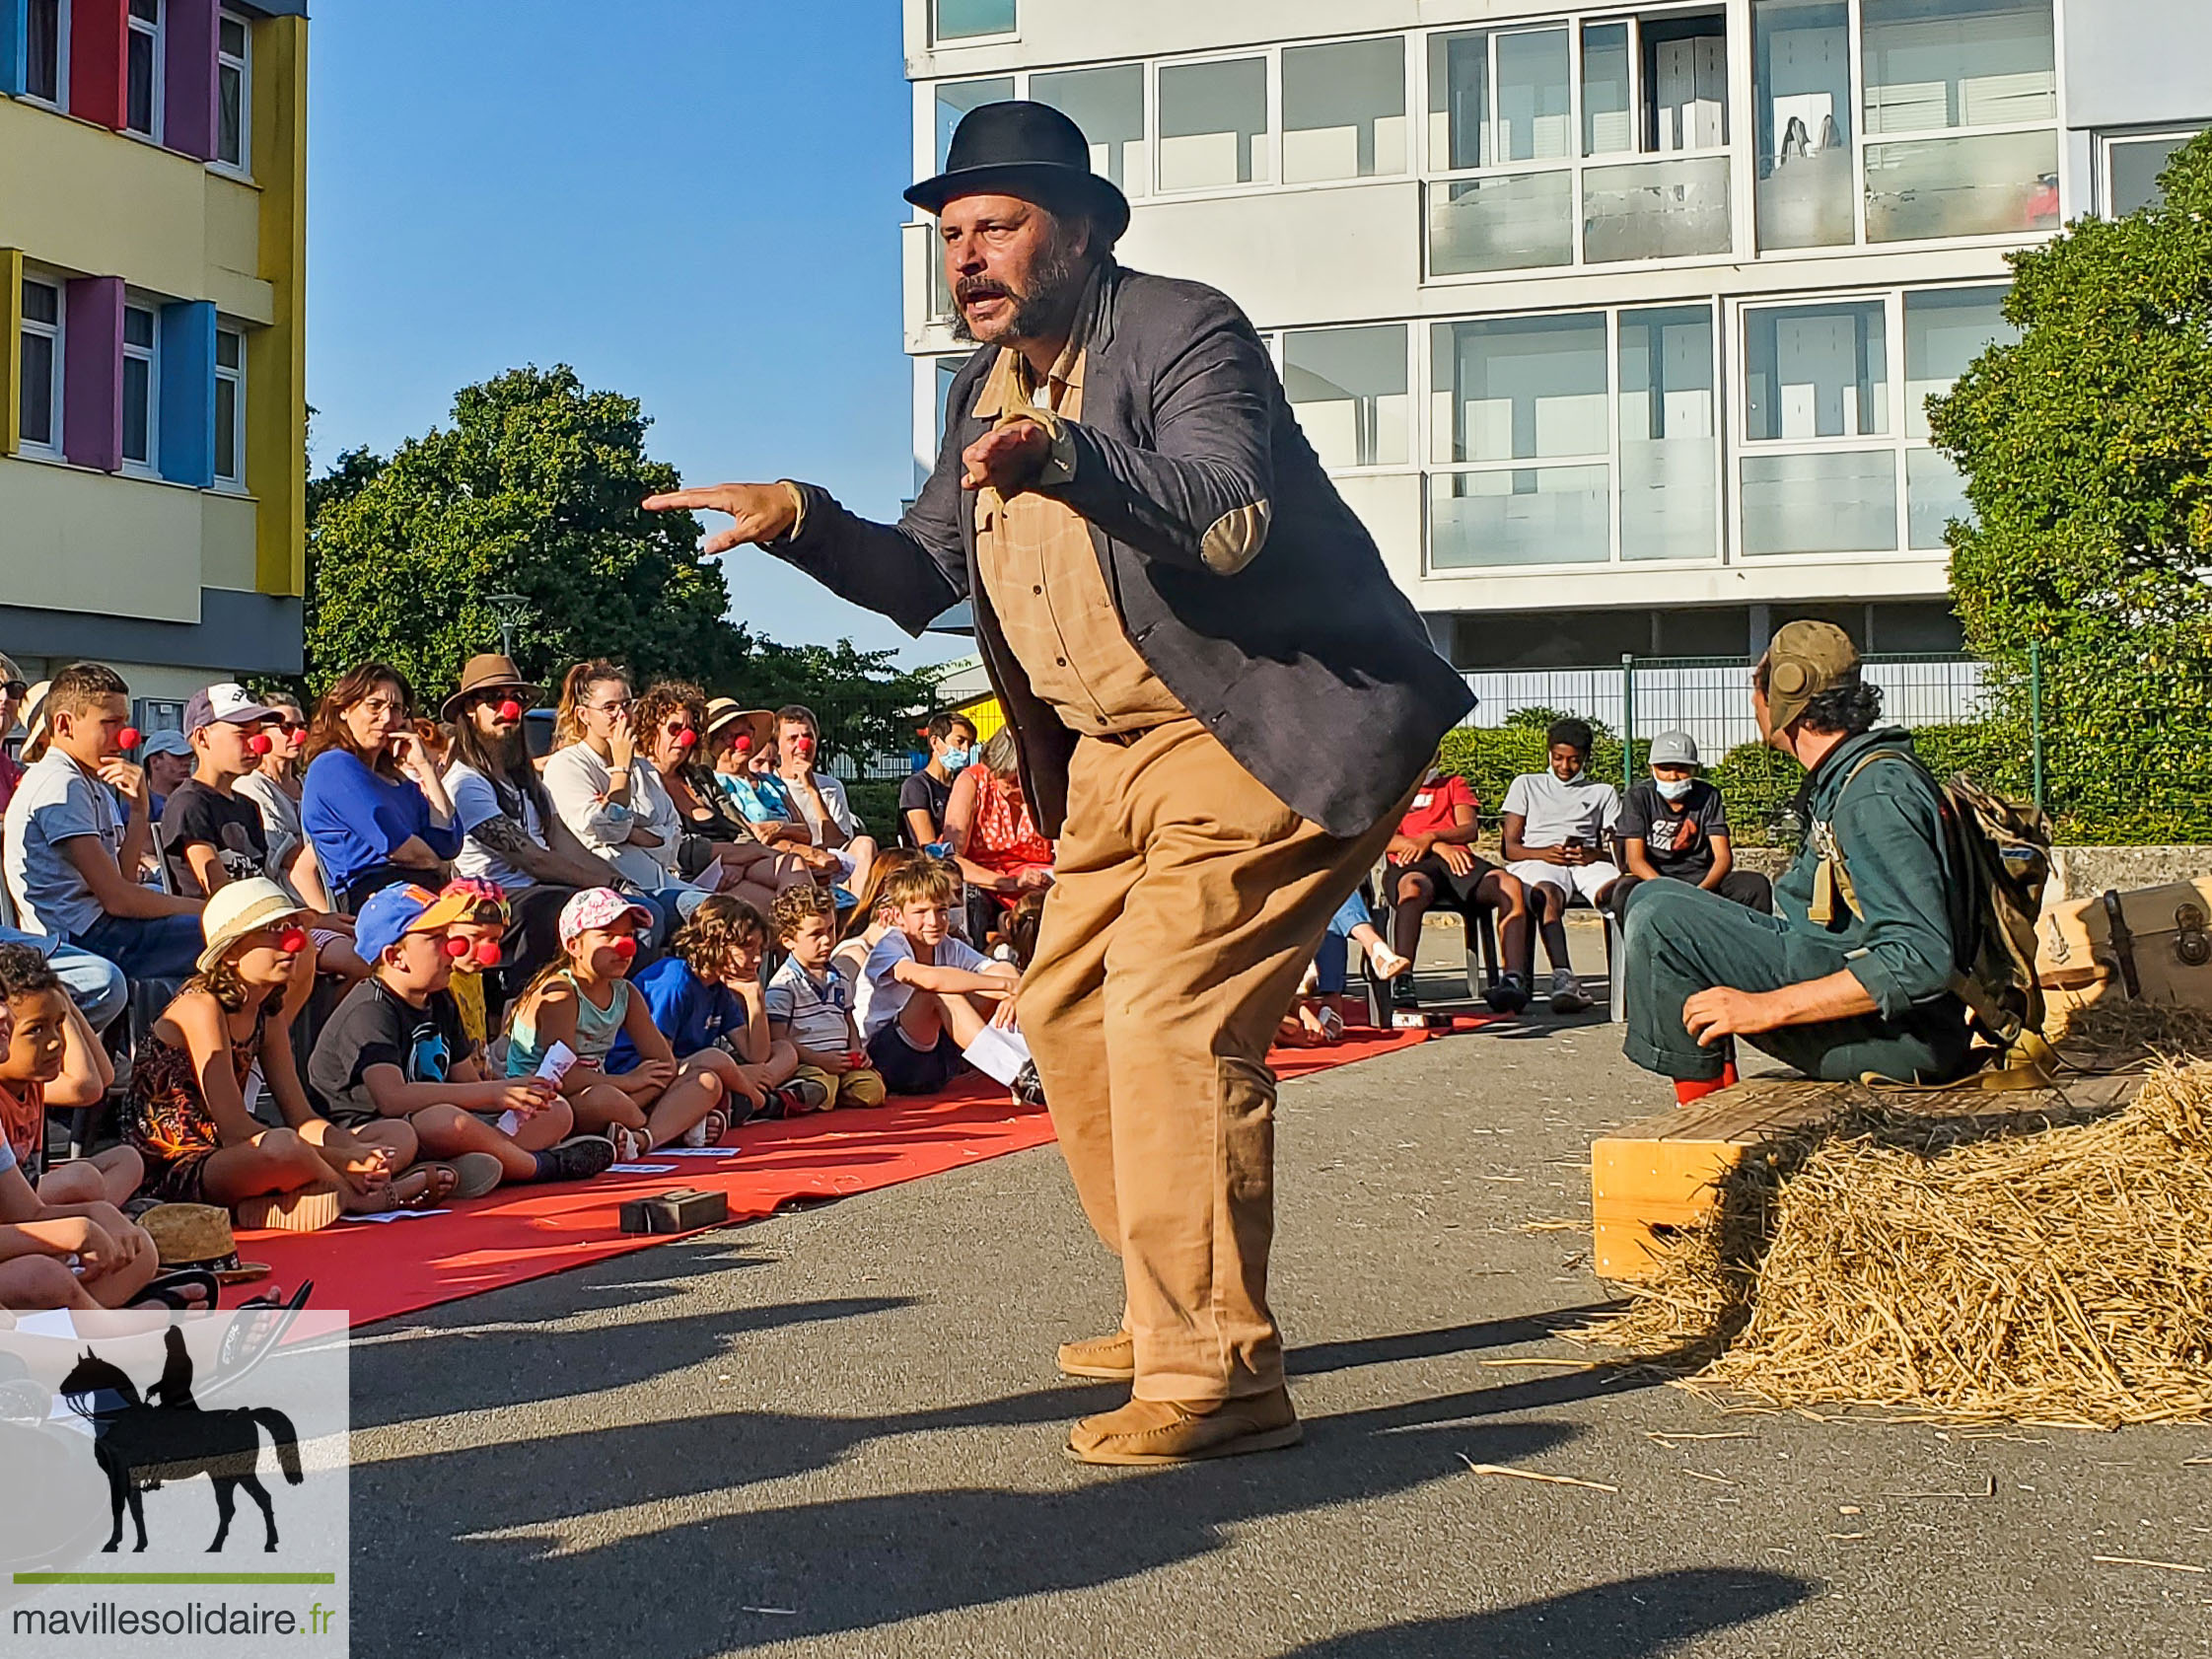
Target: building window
x: 234, y: 82
x: 1348, y: 388
x: 1109, y: 106
x: 46, y: 50
x: 1836, y: 454
x: 972, y: 20
x: 1343, y: 111
x: 230, y: 407
x: 142, y: 113
x: 1213, y: 125
x: 1957, y: 102
x: 40, y: 400
x: 1945, y: 330
x: 141, y: 387
x: 955, y: 98
x: 1669, y: 434
x: 2132, y: 164
x: 1511, y: 394
x: 1619, y: 129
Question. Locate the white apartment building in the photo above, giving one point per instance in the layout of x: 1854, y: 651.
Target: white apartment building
x: 1613, y: 323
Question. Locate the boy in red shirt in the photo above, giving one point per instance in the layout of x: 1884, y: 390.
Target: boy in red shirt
x: 1432, y: 855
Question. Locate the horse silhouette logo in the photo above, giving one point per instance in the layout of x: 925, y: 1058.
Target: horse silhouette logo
x: 140, y: 1444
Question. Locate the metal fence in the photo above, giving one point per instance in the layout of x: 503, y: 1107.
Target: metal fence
x: 1710, y: 697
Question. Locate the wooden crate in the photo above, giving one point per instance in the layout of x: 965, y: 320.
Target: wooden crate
x: 1664, y: 1172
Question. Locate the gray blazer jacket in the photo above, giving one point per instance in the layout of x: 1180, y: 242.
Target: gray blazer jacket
x: 1252, y: 591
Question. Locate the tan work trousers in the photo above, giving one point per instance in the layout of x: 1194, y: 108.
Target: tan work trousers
x: 1187, y: 901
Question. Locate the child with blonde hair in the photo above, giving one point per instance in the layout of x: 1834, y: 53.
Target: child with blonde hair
x: 810, y: 1005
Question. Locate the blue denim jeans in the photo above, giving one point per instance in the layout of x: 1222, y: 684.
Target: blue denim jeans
x: 94, y: 983
x: 1353, y: 912
x: 148, y: 947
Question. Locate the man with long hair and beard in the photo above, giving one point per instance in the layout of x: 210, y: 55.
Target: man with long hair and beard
x: 1186, y: 626
x: 512, y: 834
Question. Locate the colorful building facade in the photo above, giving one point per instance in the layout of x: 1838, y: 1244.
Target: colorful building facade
x: 153, y: 434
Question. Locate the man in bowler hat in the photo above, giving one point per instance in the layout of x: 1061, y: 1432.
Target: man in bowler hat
x: 1222, y: 703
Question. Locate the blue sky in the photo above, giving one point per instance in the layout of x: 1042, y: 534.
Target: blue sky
x: 695, y: 202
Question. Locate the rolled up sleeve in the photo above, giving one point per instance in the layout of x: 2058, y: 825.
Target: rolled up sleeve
x: 1893, y: 851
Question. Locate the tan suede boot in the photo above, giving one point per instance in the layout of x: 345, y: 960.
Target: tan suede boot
x: 1112, y: 1356
x: 1161, y: 1432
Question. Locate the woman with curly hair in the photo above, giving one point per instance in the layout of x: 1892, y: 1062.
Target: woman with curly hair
x: 671, y: 722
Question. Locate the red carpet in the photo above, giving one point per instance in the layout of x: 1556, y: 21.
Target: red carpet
x: 376, y: 1271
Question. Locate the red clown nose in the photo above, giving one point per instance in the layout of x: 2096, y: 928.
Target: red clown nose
x: 292, y: 941
x: 457, y: 948
x: 625, y: 947
x: 487, y: 954
x: 803, y: 746
x: 686, y: 738
x: 259, y: 744
x: 743, y: 744
x: 509, y: 710
x: 131, y: 737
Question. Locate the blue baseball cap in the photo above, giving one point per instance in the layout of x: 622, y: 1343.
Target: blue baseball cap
x: 402, y: 908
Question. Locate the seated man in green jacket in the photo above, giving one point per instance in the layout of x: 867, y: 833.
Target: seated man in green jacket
x: 1853, y: 973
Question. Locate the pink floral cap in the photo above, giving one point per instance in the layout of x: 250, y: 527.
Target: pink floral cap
x: 598, y: 907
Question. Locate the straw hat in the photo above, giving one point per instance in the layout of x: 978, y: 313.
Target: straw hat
x: 759, y: 723
x: 33, y: 715
x: 240, y: 909
x: 490, y: 671
x: 199, y: 1236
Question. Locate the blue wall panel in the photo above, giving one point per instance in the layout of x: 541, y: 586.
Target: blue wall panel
x: 187, y: 392
x: 12, y: 16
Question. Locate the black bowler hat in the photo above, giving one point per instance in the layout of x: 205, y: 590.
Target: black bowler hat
x: 1027, y: 150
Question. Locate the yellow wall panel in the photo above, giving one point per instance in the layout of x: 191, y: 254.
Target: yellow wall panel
x: 75, y: 540
x: 11, y: 350
x: 230, y: 556
x: 276, y: 394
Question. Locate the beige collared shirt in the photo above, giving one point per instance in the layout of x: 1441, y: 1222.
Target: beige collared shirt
x: 1041, y: 572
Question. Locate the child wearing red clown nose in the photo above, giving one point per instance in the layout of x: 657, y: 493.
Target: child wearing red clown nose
x: 583, y: 1002
x: 476, y: 944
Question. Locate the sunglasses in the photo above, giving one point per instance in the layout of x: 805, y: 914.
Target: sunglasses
x: 15, y: 687
x: 281, y: 725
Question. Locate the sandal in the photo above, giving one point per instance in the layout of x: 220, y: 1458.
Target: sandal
x: 708, y: 1130
x: 629, y: 1144
x: 437, y: 1183
x: 187, y: 1290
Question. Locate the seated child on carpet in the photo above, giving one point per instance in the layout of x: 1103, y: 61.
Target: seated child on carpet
x: 484, y: 928
x: 706, y: 998
x: 55, y: 1061
x: 39, y: 1240
x: 583, y: 999
x: 397, y: 1051
x: 810, y: 1005
x: 925, y: 994
x: 188, y: 1113
x: 868, y: 920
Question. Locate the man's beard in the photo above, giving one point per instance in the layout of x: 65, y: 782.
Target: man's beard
x: 1053, y: 283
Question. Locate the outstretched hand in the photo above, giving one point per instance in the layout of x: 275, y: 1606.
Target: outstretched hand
x: 758, y: 512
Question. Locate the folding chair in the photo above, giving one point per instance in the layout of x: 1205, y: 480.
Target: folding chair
x: 1480, y: 946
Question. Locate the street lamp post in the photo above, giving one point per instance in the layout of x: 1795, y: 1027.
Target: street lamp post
x: 509, y: 610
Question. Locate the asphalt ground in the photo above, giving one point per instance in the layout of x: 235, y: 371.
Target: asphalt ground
x: 839, y: 1431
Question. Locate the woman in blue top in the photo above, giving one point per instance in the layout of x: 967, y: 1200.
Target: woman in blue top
x: 372, y: 802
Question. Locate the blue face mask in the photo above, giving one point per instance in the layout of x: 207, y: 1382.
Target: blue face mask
x: 956, y: 759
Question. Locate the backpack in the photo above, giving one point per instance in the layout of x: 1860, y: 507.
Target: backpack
x: 2000, y: 852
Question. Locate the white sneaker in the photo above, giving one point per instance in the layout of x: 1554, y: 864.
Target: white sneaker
x: 1567, y: 994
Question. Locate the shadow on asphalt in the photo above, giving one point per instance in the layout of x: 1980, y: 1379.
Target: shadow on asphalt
x: 440, y: 1530
x: 1628, y: 1619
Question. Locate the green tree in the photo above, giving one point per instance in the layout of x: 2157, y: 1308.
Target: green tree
x: 2087, y: 450
x: 534, y: 490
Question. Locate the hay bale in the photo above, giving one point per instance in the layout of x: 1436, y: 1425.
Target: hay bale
x: 1929, y: 1266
